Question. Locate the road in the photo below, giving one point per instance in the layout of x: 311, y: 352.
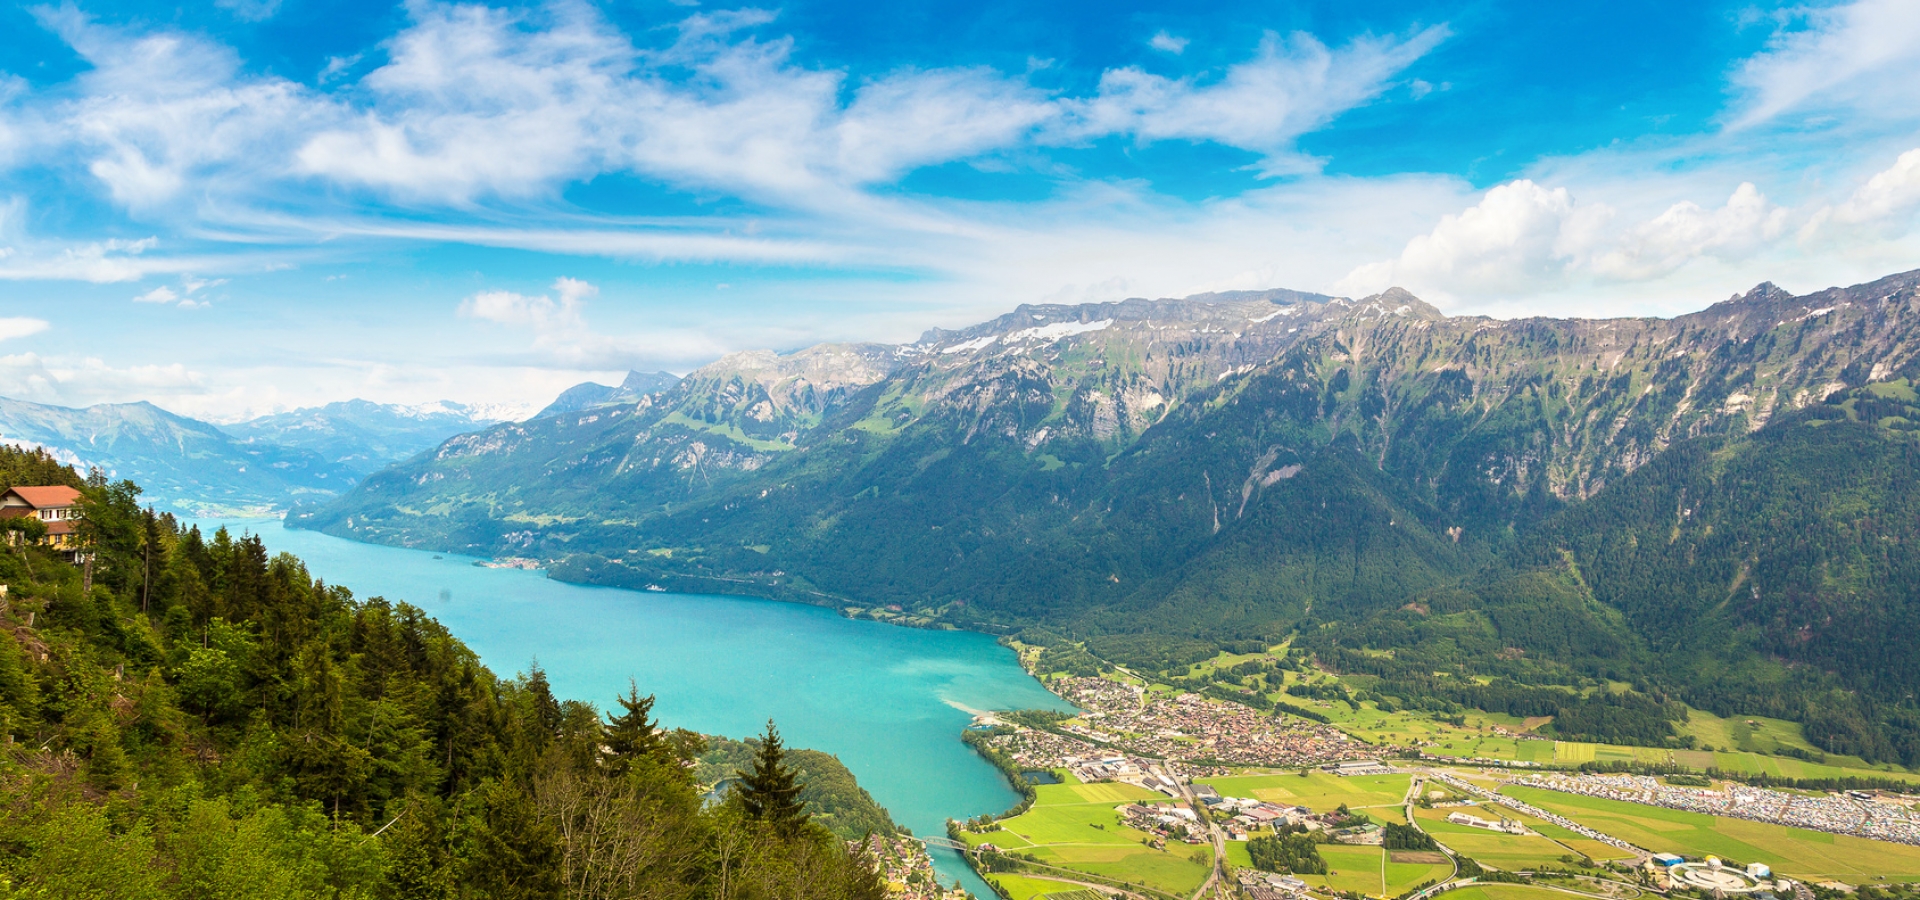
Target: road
x: 1216, y: 878
x: 1414, y: 789
x: 1102, y: 889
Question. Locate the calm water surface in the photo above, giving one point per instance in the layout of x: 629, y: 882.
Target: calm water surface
x: 891, y: 702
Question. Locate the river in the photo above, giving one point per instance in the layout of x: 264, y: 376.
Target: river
x: 891, y: 702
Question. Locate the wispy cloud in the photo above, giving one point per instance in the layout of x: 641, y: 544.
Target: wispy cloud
x: 477, y: 103
x: 1167, y: 43
x: 1863, y: 55
x: 1292, y: 86
x: 19, y: 327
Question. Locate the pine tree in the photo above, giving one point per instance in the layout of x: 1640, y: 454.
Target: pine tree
x: 516, y: 854
x: 633, y: 735
x: 769, y: 793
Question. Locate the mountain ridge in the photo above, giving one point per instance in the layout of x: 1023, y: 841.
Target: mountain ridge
x: 260, y: 465
x: 1230, y: 469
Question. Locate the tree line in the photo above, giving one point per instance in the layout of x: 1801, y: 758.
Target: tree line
x: 206, y: 719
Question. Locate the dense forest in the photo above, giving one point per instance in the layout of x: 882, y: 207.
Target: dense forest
x: 190, y: 716
x: 827, y: 789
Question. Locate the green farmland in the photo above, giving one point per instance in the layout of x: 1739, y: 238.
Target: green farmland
x: 1075, y: 826
x: 1371, y: 871
x: 1318, y: 791
x: 1794, y: 852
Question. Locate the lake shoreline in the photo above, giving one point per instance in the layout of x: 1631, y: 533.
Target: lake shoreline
x: 891, y: 703
x: 570, y: 571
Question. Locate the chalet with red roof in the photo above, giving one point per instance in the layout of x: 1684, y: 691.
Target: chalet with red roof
x: 56, y: 506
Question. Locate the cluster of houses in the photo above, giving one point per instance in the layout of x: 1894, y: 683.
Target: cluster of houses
x: 1165, y: 821
x: 1247, y: 818
x: 1250, y: 817
x: 1258, y: 885
x: 1196, y: 730
x: 904, y: 864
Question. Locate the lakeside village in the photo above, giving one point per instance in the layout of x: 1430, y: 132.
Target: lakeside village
x: 1192, y: 729
x: 903, y: 863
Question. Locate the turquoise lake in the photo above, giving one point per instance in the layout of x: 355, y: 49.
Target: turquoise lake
x: 891, y: 702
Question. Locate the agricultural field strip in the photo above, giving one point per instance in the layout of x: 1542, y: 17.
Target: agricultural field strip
x: 1834, y: 814
x: 1500, y: 850
x: 1536, y: 812
x: 1807, y: 855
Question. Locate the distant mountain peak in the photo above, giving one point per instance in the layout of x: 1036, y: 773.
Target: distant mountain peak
x: 589, y: 394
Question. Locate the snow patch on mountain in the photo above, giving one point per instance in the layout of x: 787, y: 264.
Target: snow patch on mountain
x: 1058, y: 330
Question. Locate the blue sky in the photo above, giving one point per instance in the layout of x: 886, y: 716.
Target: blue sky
x: 247, y: 205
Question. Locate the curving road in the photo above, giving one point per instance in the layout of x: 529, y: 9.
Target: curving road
x: 1216, y: 878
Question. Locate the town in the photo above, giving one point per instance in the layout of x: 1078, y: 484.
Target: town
x: 1194, y: 729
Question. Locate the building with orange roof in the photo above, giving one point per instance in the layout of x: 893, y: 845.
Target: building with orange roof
x: 56, y: 506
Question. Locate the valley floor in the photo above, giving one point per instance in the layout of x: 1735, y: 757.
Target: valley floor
x: 1153, y: 777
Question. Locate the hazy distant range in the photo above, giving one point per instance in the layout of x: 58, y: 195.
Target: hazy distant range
x: 270, y: 463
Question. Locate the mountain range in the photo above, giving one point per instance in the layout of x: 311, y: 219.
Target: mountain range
x: 267, y: 463
x: 1712, y: 508
x: 589, y: 394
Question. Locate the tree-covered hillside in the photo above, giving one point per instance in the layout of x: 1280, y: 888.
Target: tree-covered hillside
x: 1383, y: 481
x: 192, y: 717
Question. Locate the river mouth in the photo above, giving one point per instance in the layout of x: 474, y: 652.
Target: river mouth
x: 890, y: 702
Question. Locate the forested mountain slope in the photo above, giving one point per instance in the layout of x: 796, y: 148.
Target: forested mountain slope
x: 1243, y: 466
x: 192, y: 717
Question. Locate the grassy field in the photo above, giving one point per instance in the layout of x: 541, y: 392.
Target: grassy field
x: 1237, y: 855
x: 1318, y: 791
x: 1509, y: 852
x: 1028, y: 889
x: 1369, y: 871
x: 1504, y: 892
x: 1793, y: 852
x: 1074, y: 826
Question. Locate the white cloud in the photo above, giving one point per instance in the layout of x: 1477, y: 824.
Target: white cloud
x: 1291, y: 87
x: 1523, y: 237
x: 1520, y: 236
x: 543, y: 313
x: 1746, y: 224
x: 161, y: 112
x: 473, y: 102
x: 1864, y: 55
x: 99, y: 262
x: 89, y: 380
x: 162, y: 294
x: 1885, y: 197
x: 1167, y: 43
x: 19, y: 327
